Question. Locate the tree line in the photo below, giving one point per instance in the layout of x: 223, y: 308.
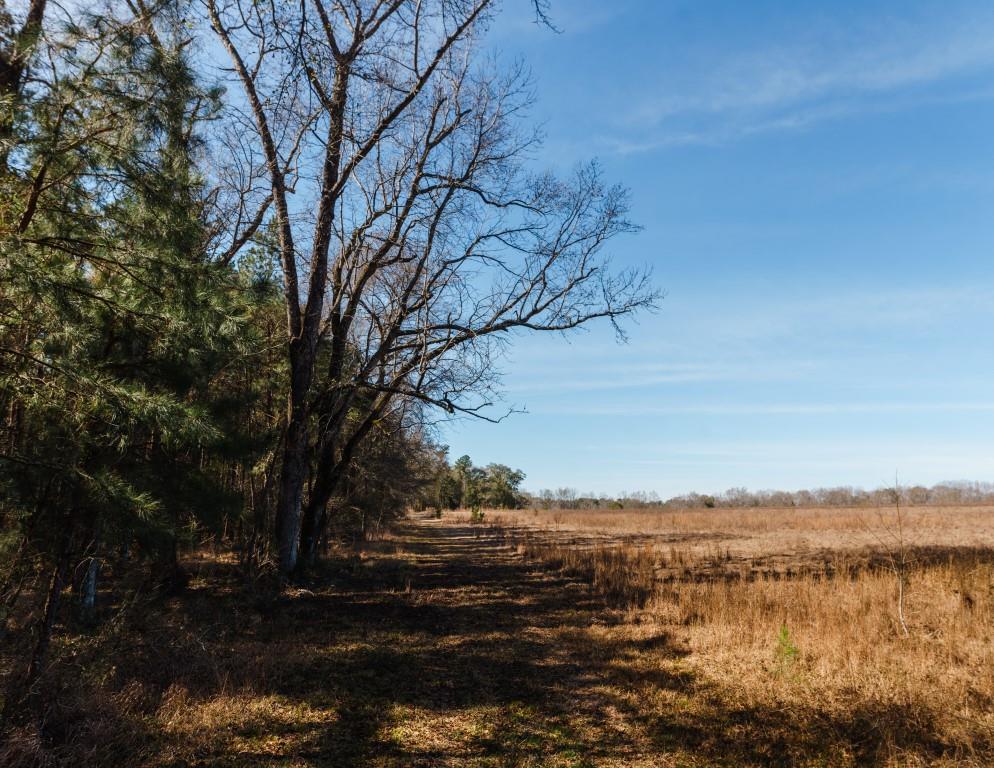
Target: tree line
x: 251, y: 254
x: 962, y: 492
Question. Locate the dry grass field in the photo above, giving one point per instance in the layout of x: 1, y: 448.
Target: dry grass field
x: 797, y: 612
x: 559, y: 639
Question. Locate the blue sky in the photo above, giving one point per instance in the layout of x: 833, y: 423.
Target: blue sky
x: 815, y: 183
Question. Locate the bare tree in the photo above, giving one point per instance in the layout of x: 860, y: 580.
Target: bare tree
x: 396, y: 154
x: 898, y: 551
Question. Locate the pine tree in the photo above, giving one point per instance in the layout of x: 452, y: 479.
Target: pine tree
x: 116, y: 324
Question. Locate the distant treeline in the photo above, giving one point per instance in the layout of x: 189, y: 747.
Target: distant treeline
x: 841, y: 496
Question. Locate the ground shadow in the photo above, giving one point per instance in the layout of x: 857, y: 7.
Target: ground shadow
x: 443, y: 647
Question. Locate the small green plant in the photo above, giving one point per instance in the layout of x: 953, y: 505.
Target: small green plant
x: 787, y: 651
x: 476, y: 514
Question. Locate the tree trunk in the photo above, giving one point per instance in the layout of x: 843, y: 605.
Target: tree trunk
x: 174, y: 578
x: 88, y: 593
x: 294, y: 472
x: 330, y: 472
x: 21, y: 700
x: 316, y: 518
x: 310, y: 528
x: 124, y: 554
x: 40, y: 654
x: 309, y: 535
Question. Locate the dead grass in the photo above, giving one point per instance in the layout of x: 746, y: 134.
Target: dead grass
x: 795, y: 611
x: 760, y: 532
x: 509, y: 644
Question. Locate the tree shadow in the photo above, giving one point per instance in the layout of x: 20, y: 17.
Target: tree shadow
x: 447, y: 650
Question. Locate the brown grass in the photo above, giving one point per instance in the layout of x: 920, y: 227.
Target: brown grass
x: 513, y: 643
x: 795, y: 610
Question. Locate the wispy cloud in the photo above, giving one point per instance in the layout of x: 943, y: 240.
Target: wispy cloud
x: 798, y: 342
x: 771, y: 79
x: 725, y: 339
x: 635, y: 375
x: 765, y: 409
x: 777, y: 88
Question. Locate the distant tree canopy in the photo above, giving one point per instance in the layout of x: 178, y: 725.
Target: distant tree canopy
x: 843, y: 496
x: 494, y: 486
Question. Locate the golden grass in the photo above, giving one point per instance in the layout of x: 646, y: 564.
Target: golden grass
x: 513, y: 643
x: 796, y: 610
x: 764, y: 531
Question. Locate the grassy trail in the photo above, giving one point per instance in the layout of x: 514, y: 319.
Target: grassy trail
x: 443, y: 648
x: 440, y: 646
x: 454, y: 651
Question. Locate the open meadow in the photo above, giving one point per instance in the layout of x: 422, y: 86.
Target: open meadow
x: 549, y: 638
x: 876, y: 623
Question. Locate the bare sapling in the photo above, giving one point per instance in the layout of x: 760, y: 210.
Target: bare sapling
x: 892, y: 536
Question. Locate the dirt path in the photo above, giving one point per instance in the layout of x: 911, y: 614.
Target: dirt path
x: 445, y: 648
x: 457, y: 652
x: 440, y: 646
